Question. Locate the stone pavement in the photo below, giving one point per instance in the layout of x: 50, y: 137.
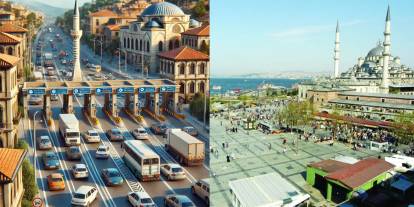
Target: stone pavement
x: 253, y: 156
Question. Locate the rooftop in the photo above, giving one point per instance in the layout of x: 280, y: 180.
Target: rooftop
x: 379, y: 95
x: 10, y: 161
x: 374, y: 104
x: 199, y: 31
x: 103, y: 13
x: 163, y: 9
x: 8, y: 61
x: 184, y: 53
x: 9, y: 39
x: 329, y: 165
x: 11, y: 28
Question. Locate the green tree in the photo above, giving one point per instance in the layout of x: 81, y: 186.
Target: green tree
x: 404, y: 127
x: 200, y: 9
x: 197, y: 107
x: 29, y: 183
x: 205, y: 48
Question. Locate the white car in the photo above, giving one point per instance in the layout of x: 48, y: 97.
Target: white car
x: 202, y: 190
x: 80, y: 171
x: 173, y: 171
x: 140, y: 199
x: 91, y: 136
x: 45, y: 143
x: 140, y: 133
x: 84, y: 195
x: 102, y: 152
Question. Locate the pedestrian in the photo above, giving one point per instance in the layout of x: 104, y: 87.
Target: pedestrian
x: 216, y: 153
x: 284, y: 141
x: 228, y: 158
x: 227, y: 145
x: 270, y: 146
x: 284, y: 150
x: 224, y: 145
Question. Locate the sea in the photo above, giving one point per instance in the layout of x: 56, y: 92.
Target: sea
x: 228, y: 84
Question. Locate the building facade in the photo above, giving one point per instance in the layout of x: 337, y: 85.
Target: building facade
x: 11, y: 177
x: 23, y: 36
x: 189, y: 68
x: 197, y: 38
x: 97, y: 20
x: 12, y: 45
x: 8, y: 100
x: 157, y: 29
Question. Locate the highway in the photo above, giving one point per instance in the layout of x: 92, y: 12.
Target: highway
x: 107, y: 196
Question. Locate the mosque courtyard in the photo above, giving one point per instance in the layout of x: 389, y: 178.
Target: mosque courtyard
x: 255, y: 153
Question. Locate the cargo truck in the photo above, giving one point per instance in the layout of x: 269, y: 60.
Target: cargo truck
x: 187, y: 149
x: 69, y: 129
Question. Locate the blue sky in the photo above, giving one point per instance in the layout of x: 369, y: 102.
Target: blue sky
x: 64, y: 3
x: 298, y: 35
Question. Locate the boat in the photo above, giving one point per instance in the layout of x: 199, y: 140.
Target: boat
x: 217, y: 88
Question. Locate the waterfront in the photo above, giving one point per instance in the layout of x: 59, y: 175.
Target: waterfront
x: 248, y: 84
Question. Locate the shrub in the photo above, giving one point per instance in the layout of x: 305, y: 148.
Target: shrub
x: 29, y: 183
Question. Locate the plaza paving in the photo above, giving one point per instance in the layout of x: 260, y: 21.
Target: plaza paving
x: 253, y: 156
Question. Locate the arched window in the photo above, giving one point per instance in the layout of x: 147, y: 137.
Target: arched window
x: 201, y: 87
x: 128, y: 42
x: 10, y: 51
x: 192, y: 87
x: 124, y: 42
x: 201, y: 69
x: 148, y: 46
x: 176, y: 29
x: 192, y: 69
x: 132, y: 43
x: 182, y: 69
x: 1, y: 49
x: 182, y: 87
x: 176, y: 43
x: 170, y: 45
x: 140, y: 45
x: 1, y: 116
x: 160, y: 47
x: 136, y: 44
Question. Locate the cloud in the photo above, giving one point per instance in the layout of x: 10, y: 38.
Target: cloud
x: 310, y: 29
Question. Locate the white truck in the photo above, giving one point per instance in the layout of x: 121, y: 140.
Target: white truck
x: 187, y: 149
x: 69, y: 129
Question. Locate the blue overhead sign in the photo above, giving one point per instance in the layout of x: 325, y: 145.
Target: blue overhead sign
x: 57, y: 91
x: 81, y: 90
x: 103, y: 90
x: 126, y: 90
x: 167, y: 89
x: 146, y: 89
x: 36, y: 91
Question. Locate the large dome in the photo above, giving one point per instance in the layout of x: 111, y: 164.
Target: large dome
x: 376, y: 51
x: 162, y: 9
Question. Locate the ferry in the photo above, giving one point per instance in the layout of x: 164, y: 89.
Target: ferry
x: 217, y: 88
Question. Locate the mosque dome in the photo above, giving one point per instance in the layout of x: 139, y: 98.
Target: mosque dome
x: 153, y: 24
x: 162, y: 9
x: 376, y: 51
x: 194, y: 23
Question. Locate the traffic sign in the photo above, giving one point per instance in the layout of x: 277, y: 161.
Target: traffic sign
x: 103, y: 90
x: 36, y: 91
x: 37, y: 202
x: 126, y: 90
x: 146, y: 89
x: 56, y: 91
x: 81, y: 90
x: 167, y: 89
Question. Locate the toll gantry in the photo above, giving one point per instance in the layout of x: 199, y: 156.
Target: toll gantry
x: 154, y: 95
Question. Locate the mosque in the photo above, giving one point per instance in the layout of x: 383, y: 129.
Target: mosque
x: 377, y: 72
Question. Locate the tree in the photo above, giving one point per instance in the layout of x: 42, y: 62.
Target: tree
x: 404, y: 127
x: 200, y: 9
x: 197, y: 107
x: 29, y: 183
x: 205, y: 48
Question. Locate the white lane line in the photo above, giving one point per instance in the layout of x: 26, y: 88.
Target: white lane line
x: 36, y: 163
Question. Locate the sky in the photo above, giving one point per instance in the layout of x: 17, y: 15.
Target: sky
x: 298, y: 35
x: 64, y: 3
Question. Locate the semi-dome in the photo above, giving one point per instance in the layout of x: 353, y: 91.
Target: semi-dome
x: 376, y: 51
x: 194, y: 23
x: 162, y: 9
x: 153, y: 24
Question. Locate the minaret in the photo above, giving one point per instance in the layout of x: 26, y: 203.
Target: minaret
x: 76, y: 35
x: 336, y: 52
x: 386, y: 54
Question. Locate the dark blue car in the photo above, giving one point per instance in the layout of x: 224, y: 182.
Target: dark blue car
x: 50, y: 160
x: 112, y: 177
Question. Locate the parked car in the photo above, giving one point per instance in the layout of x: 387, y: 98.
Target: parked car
x: 45, y: 143
x: 73, y: 153
x: 190, y: 130
x: 50, y: 160
x: 141, y: 199
x: 35, y: 100
x: 178, y: 201
x: 80, y: 171
x: 112, y: 177
x: 140, y: 133
x: 55, y: 181
x: 91, y: 136
x: 159, y: 128
x: 173, y: 171
x: 84, y: 195
x: 115, y: 134
x: 202, y: 190
x: 102, y: 152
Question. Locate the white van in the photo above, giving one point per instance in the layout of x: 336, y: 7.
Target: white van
x: 84, y: 195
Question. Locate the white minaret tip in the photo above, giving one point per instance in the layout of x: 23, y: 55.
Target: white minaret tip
x: 76, y: 8
x: 337, y: 26
x: 336, y: 51
x: 388, y: 18
x: 76, y: 35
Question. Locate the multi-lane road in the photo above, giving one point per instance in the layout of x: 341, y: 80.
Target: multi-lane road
x: 107, y: 196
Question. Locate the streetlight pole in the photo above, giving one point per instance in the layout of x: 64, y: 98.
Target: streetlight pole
x: 205, y: 106
x: 126, y: 56
x: 34, y: 142
x: 119, y: 59
x: 101, y: 49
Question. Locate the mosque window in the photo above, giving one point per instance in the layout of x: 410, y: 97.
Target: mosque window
x: 148, y: 46
x: 10, y: 51
x: 357, y: 98
x: 1, y: 49
x: 201, y: 70
x: 140, y: 45
x: 176, y: 28
x: 412, y: 102
x: 382, y: 100
x: 160, y: 47
x: 192, y: 69
x: 132, y: 43
x: 135, y: 27
x: 128, y: 43
x: 136, y: 44
x: 176, y: 43
x: 124, y: 42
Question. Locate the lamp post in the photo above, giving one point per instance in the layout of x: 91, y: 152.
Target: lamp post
x: 34, y: 142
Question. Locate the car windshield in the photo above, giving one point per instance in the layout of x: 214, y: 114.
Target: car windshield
x: 74, y: 149
x: 45, y: 141
x: 116, y: 132
x: 72, y: 134
x: 57, y: 179
x: 187, y: 204
x: 146, y: 200
x: 142, y: 131
x: 114, y: 174
x: 102, y: 149
x: 163, y: 127
x: 51, y: 156
x: 177, y: 169
x: 81, y: 169
x: 79, y: 195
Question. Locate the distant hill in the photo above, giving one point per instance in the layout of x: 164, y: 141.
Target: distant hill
x: 49, y: 11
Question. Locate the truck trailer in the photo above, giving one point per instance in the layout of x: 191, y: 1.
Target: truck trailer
x: 69, y: 129
x: 187, y: 149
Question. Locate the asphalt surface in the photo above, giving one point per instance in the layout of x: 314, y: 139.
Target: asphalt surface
x: 107, y: 196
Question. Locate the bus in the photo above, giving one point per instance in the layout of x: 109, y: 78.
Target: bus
x: 141, y: 160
